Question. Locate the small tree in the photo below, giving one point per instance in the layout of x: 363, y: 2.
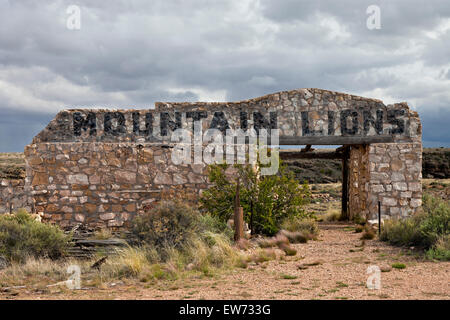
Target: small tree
x: 266, y: 200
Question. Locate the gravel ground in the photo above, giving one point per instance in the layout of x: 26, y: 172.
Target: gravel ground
x: 338, y: 270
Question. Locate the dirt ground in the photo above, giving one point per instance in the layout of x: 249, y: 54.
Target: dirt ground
x: 338, y: 270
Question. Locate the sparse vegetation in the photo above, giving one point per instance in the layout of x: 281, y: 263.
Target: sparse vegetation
x: 12, y: 165
x: 308, y: 227
x: 206, y: 249
x: 428, y: 229
x: 169, y: 224
x: 288, y: 250
x: 157, y: 255
x: 332, y: 215
x: 267, y: 200
x: 262, y: 255
x: 22, y: 237
x: 369, y: 233
x: 103, y: 234
x: 297, y: 237
x: 441, y: 249
x: 341, y: 284
x: 398, y: 265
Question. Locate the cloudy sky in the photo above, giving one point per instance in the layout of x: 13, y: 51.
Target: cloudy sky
x: 132, y: 53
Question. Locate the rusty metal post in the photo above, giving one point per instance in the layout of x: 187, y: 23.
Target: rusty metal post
x: 379, y: 218
x: 238, y: 216
x: 238, y: 224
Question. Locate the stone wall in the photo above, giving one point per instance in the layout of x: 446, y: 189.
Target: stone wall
x: 103, y: 167
x: 14, y: 195
x: 395, y: 178
x: 106, y: 184
x: 309, y: 114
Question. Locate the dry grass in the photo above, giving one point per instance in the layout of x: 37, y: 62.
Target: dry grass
x: 327, y: 267
x: 103, y: 234
x: 198, y: 258
x: 333, y: 214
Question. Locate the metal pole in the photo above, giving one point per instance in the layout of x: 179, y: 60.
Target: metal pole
x: 379, y: 218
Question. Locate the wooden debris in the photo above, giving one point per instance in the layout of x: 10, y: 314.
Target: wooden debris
x: 98, y: 263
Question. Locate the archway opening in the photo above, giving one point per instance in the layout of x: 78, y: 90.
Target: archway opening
x: 336, y: 176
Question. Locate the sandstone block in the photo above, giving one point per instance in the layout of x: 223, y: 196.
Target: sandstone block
x: 414, y: 186
x: 400, y: 186
x: 416, y: 202
x: 107, y: 216
x: 389, y: 201
x: 163, y: 178
x: 123, y: 176
x: 79, y: 178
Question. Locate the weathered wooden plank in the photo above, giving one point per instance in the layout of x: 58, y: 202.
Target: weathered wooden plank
x: 345, y: 181
x: 334, y: 140
x: 107, y: 242
x: 291, y: 155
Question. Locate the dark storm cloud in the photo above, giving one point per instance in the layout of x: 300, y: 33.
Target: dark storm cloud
x: 133, y: 53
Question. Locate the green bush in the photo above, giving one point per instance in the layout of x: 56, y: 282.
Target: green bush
x: 266, y: 200
x: 428, y: 229
x: 436, y: 221
x: 441, y: 249
x: 208, y: 223
x: 21, y: 236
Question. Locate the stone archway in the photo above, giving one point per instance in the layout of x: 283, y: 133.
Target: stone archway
x: 77, y: 170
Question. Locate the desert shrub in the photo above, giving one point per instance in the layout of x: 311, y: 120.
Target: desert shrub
x: 297, y: 224
x: 402, y: 232
x: 428, y: 229
x: 441, y: 249
x: 210, y: 224
x: 288, y: 250
x: 179, y: 237
x: 169, y: 224
x: 263, y: 255
x: 173, y: 224
x: 436, y: 221
x: 21, y: 237
x: 266, y: 200
x: 359, y: 219
x: 333, y: 214
x: 368, y: 234
x: 296, y: 236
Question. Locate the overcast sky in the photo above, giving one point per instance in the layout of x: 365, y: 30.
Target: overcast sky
x: 132, y: 53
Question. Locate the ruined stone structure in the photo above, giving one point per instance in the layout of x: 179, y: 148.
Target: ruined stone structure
x: 102, y: 167
x: 14, y: 195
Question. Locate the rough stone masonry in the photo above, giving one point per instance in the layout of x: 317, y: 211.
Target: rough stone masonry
x: 102, y: 167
